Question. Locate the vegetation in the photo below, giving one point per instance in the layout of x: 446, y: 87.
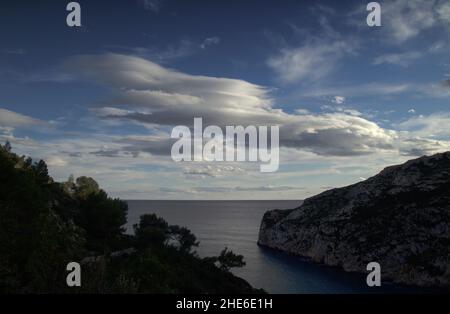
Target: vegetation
x: 227, y: 260
x: 44, y: 225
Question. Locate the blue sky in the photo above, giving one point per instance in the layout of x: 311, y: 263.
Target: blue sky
x: 101, y: 99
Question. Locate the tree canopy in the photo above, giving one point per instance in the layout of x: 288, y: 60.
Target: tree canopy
x: 44, y: 225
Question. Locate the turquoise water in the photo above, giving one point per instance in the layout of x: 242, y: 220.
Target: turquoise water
x: 235, y: 224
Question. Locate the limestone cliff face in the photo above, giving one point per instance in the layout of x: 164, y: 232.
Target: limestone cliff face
x: 399, y: 218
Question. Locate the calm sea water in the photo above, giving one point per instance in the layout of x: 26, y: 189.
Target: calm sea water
x: 235, y: 224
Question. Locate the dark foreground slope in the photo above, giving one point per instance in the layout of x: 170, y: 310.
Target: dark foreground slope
x: 399, y: 218
x: 44, y: 225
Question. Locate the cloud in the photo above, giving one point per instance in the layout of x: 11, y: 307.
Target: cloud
x: 152, y: 95
x: 337, y: 134
x: 152, y: 5
x: 414, y: 147
x: 359, y: 90
x: 210, y: 41
x: 13, y: 119
x: 171, y: 52
x: 56, y: 161
x: 338, y: 100
x: 19, y: 51
x: 168, y: 97
x: 48, y: 76
x: 435, y: 125
x: 309, y: 62
x: 404, y: 20
x: 221, y: 189
x: 135, y: 144
x: 311, y: 53
x: 302, y: 111
x: 267, y: 188
x: 172, y: 190
x: 443, y: 11
x: 436, y: 90
x: 212, y: 171
x: 6, y: 135
x: 110, y: 112
x: 400, y: 59
x: 405, y: 59
x: 162, y: 54
x: 341, y: 109
x: 446, y: 83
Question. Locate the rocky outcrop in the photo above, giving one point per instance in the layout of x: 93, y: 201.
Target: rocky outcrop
x: 399, y: 218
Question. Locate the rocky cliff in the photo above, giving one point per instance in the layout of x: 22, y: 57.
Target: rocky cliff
x: 399, y: 218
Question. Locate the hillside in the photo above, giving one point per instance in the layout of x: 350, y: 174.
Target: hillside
x: 399, y: 218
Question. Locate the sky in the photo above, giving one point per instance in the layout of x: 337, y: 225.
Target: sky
x: 101, y: 99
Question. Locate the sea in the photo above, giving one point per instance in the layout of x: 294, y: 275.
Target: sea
x: 235, y: 225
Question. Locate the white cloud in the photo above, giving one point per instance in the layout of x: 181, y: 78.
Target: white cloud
x: 401, y: 59
x: 231, y: 189
x: 338, y: 100
x: 110, y: 111
x: 309, y: 62
x: 435, y: 125
x: 359, y: 90
x: 405, y: 59
x: 13, y: 119
x: 405, y: 19
x: 163, y: 54
x: 212, y: 170
x: 56, y: 161
x: 443, y: 11
x: 337, y: 134
x: 151, y: 5
x: 209, y: 42
x: 436, y: 90
x: 170, y: 52
x: 154, y: 95
x: 167, y: 97
x: 302, y: 111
